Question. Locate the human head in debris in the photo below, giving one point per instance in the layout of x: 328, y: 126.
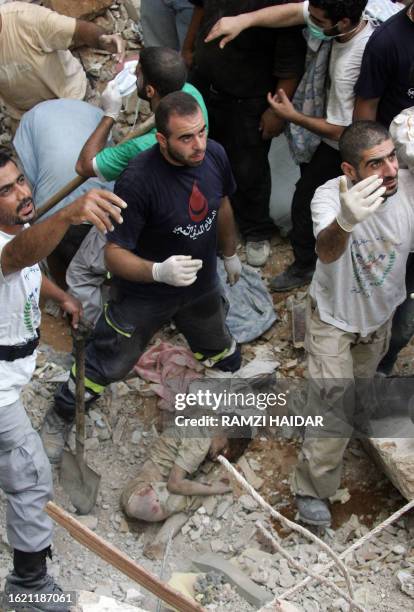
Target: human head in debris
x: 367, y: 148
x: 166, y: 483
x: 16, y: 203
x: 181, y: 129
x: 160, y: 70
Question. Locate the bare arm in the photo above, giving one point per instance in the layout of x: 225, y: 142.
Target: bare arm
x: 67, y: 302
x: 281, y: 16
x: 226, y: 229
x: 89, y: 34
x: 126, y: 265
x: 284, y: 109
x: 189, y: 41
x: 331, y: 243
x: 38, y: 241
x: 366, y: 109
x: 180, y: 485
x: 95, y: 143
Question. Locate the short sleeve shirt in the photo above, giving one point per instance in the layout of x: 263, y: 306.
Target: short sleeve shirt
x: 112, y: 161
x: 173, y: 448
x: 35, y: 64
x: 388, y: 66
x: 361, y: 290
x: 173, y: 210
x: 20, y: 318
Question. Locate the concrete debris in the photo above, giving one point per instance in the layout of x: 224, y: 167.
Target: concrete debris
x: 255, y: 481
x: 406, y: 582
x: 81, y: 9
x: 88, y: 520
x: 341, y: 496
x: 254, y: 594
x: 248, y: 503
x: 396, y: 455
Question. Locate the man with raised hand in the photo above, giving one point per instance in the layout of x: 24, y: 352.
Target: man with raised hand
x: 25, y: 475
x: 164, y: 261
x: 364, y: 228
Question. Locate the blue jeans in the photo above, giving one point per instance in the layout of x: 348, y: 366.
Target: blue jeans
x: 402, y: 324
x: 165, y: 22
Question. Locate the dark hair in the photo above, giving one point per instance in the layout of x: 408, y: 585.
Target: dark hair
x: 360, y: 136
x: 177, y: 103
x: 339, y: 9
x: 163, y: 68
x: 5, y: 158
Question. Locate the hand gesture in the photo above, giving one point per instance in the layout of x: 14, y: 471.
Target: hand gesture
x: 177, y: 270
x: 233, y: 268
x: 99, y: 207
x: 228, y: 27
x: 282, y: 106
x: 359, y: 202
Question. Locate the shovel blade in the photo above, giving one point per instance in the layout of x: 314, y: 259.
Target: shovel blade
x: 80, y: 482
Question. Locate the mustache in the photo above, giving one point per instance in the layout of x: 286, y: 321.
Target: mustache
x: 24, y: 203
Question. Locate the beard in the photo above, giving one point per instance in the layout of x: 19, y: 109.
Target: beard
x: 182, y: 159
x: 389, y: 192
x: 9, y: 219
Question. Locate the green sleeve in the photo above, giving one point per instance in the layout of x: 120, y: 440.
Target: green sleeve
x: 112, y: 161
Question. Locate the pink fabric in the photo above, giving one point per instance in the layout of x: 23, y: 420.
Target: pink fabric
x: 171, y: 369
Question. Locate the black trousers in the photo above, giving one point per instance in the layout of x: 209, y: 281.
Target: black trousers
x: 234, y: 123
x: 324, y: 165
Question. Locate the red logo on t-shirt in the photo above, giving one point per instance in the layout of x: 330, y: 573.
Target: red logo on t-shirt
x: 197, y: 205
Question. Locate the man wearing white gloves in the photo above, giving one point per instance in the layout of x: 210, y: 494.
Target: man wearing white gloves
x: 364, y: 228
x: 164, y: 260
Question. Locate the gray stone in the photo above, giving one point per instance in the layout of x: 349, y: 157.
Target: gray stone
x: 248, y: 503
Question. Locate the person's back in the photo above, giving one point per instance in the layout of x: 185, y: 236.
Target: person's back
x: 35, y: 63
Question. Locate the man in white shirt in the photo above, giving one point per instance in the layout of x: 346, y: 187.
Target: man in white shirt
x: 364, y: 228
x: 25, y: 474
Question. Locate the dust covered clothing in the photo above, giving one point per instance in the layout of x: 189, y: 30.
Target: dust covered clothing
x: 35, y: 63
x: 360, y: 291
x: 25, y: 474
x: 171, y: 448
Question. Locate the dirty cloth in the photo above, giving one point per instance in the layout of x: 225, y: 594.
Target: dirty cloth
x: 170, y: 368
x: 251, y: 311
x: 48, y: 143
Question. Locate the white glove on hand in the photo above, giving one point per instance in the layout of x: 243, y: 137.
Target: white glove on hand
x: 111, y: 101
x: 177, y: 270
x: 361, y: 201
x: 233, y: 268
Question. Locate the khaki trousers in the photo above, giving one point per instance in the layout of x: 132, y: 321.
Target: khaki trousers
x: 335, y: 357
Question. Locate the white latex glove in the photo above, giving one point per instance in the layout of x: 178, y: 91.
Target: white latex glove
x: 359, y: 202
x: 111, y: 101
x: 177, y: 270
x: 233, y: 268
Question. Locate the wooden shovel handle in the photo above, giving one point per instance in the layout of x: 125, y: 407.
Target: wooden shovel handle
x: 122, y: 562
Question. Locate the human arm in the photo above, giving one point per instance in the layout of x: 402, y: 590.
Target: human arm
x: 89, y: 34
x: 284, y: 109
x: 179, y: 484
x: 177, y: 270
x: 271, y: 125
x: 365, y: 109
x: 67, y: 302
x: 95, y: 143
x: 189, y: 42
x: 227, y: 241
x: 33, y: 244
x: 356, y: 204
x: 281, y: 16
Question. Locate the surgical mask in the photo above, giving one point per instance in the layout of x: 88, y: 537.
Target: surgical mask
x: 318, y: 32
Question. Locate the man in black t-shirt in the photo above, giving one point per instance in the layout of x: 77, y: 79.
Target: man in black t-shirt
x: 234, y: 82
x: 163, y: 259
x: 385, y: 85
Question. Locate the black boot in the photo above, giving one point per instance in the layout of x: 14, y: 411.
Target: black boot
x: 30, y: 588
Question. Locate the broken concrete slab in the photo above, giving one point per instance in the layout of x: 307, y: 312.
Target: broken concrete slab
x: 81, y: 9
x: 255, y: 595
x: 395, y: 455
x: 92, y: 602
x: 255, y: 481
